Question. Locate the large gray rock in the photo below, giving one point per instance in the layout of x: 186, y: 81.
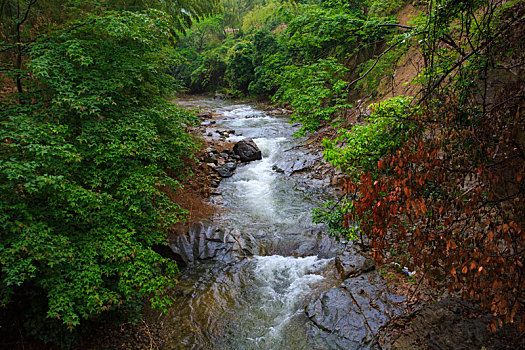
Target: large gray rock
x: 247, y: 150
x: 204, y: 241
x: 296, y: 161
x: 350, y: 316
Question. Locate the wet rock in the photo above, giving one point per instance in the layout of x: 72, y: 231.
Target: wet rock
x: 454, y: 324
x: 226, y: 170
x: 223, y: 171
x: 204, y: 241
x: 247, y: 150
x: 295, y: 161
x: 231, y: 166
x: 350, y: 316
x: 353, y: 262
x: 323, y: 245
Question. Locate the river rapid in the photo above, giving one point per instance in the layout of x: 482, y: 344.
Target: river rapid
x: 257, y: 301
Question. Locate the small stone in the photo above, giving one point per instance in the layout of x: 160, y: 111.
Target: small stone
x: 210, y: 158
x: 223, y: 171
x: 231, y: 166
x: 204, y: 115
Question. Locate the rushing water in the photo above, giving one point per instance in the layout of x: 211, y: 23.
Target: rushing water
x: 257, y: 302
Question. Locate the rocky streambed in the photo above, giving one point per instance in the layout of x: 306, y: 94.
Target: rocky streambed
x: 260, y: 274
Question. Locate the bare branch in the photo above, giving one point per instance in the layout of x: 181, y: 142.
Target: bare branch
x: 396, y: 25
x: 373, y: 66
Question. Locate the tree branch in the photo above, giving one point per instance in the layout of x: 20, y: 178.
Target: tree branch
x: 396, y: 25
x: 373, y: 66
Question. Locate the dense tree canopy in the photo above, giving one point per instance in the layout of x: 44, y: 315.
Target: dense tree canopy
x: 90, y: 150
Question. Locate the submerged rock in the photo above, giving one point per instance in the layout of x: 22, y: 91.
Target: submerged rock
x: 247, y: 150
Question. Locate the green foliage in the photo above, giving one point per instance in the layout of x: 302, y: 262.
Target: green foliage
x: 239, y: 65
x: 361, y: 147
x: 211, y: 71
x: 315, y: 92
x: 333, y: 215
x: 280, y: 40
x: 262, y: 16
x: 439, y: 178
x: 268, y: 62
x: 382, y: 8
x: 84, y: 164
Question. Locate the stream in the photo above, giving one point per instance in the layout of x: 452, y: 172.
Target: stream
x: 257, y: 296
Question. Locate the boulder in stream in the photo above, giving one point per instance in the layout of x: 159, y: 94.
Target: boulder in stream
x: 247, y: 150
x: 204, y: 241
x: 296, y: 160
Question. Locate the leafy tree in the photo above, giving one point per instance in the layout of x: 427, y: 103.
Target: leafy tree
x: 383, y: 132
x: 268, y: 62
x: 211, y: 72
x: 90, y: 151
x: 315, y: 92
x: 239, y: 65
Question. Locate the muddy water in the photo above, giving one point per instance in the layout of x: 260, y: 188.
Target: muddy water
x: 256, y: 302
